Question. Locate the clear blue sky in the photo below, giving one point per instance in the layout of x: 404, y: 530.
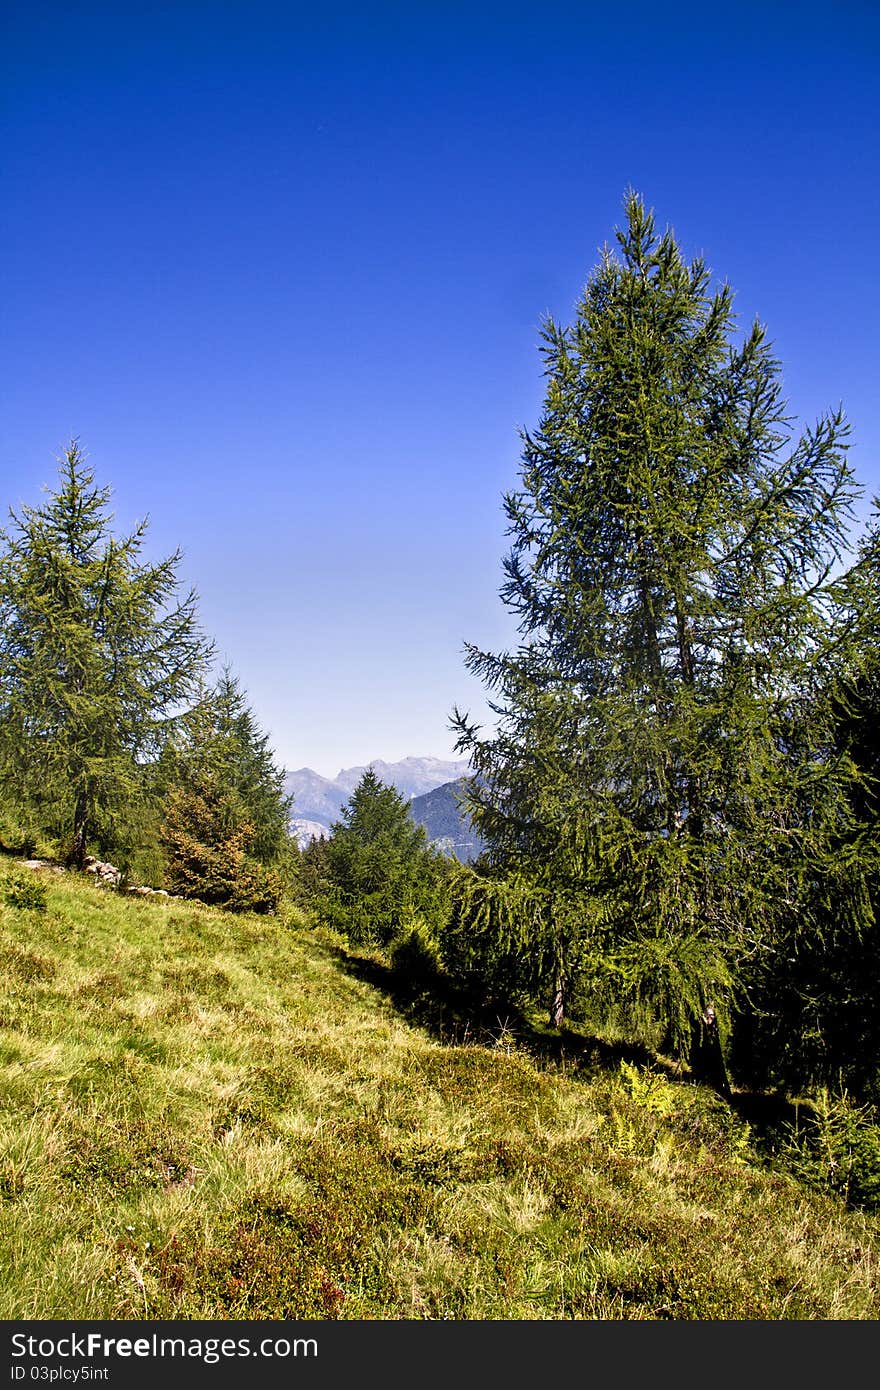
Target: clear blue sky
x: 281, y: 269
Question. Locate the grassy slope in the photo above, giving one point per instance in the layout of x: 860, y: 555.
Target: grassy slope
x: 207, y: 1116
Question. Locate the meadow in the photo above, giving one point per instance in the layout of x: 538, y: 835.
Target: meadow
x: 232, y: 1117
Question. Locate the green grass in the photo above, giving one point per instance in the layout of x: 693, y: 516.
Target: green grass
x: 207, y: 1116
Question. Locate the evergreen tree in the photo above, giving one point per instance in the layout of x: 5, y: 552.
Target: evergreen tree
x: 664, y: 775
x: 219, y: 740
x: 225, y: 812
x: 209, y: 850
x: 378, y: 863
x: 98, y: 648
x: 817, y: 997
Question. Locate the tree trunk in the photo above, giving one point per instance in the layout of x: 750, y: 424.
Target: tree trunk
x: 557, y: 1007
x: 706, y: 1058
x: 76, y: 857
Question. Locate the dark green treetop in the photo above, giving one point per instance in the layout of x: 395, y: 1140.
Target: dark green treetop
x: 378, y: 860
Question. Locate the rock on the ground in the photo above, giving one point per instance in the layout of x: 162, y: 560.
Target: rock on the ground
x: 103, y: 872
x: 106, y: 873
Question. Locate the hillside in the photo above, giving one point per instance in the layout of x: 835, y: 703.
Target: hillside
x: 315, y: 798
x: 217, y: 1117
x: 446, y: 826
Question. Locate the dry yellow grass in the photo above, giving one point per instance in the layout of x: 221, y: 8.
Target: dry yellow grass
x: 209, y: 1116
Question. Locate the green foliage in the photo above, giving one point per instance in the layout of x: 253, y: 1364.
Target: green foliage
x: 814, y: 1002
x: 208, y: 859
x: 816, y: 997
x: 23, y: 889
x: 510, y: 937
x: 225, y: 813
x: 835, y: 1146
x: 665, y: 753
x: 219, y: 743
x: 311, y: 874
x: 682, y: 980
x: 19, y: 832
x: 379, y: 869
x: 98, y: 649
x: 414, y: 955
x: 651, y: 1090
x: 222, y: 736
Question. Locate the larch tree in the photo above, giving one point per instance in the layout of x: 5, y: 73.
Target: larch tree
x: 664, y: 772
x: 220, y: 741
x: 99, y: 650
x: 225, y: 822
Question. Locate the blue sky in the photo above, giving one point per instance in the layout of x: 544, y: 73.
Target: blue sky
x: 282, y: 270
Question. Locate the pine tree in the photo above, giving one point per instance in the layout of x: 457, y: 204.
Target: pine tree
x: 817, y: 997
x: 219, y: 740
x: 226, y: 814
x: 664, y: 756
x: 378, y: 862
x: 98, y: 648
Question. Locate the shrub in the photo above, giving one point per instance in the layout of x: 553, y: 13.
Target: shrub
x: 210, y: 863
x: 254, y: 888
x: 23, y: 889
x: 837, y: 1148
x: 15, y: 837
x: 415, y: 957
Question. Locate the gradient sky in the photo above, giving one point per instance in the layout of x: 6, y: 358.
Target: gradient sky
x: 282, y: 268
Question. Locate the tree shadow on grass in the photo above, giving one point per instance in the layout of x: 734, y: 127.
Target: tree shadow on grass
x: 460, y: 1018
x: 766, y: 1112
x: 456, y: 1017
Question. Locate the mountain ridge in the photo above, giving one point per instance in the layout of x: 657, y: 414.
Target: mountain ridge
x: 446, y: 823
x: 318, y: 800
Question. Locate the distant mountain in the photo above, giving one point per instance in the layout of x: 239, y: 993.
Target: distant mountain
x: 314, y: 797
x: 307, y: 830
x: 447, y: 826
x: 318, y: 800
x: 411, y: 776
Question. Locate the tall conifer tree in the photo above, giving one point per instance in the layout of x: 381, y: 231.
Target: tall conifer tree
x: 98, y: 648
x: 219, y: 742
x: 225, y: 813
x: 663, y: 773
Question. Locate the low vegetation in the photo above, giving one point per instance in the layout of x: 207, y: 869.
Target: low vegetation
x: 207, y: 1116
